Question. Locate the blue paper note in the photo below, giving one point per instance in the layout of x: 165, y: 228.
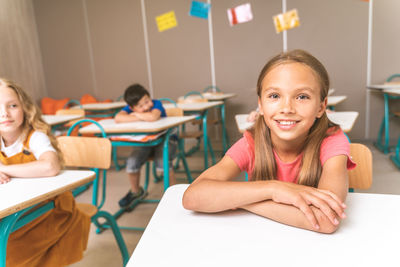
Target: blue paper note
x: 199, y: 9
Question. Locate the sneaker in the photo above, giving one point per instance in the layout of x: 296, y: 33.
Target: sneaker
x: 130, y: 197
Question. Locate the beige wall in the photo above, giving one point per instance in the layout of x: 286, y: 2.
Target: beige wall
x: 97, y: 47
x: 19, y: 47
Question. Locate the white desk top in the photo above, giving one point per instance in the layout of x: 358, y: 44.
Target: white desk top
x: 197, y: 106
x: 333, y: 100
x: 392, y: 91
x: 383, y: 86
x: 59, y: 119
x: 21, y: 193
x: 102, y: 106
x: 369, y: 236
x: 110, y: 126
x: 218, y: 96
x: 345, y: 119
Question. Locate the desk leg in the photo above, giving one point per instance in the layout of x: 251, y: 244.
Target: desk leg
x: 384, y: 128
x: 225, y: 138
x: 205, y: 139
x: 166, y: 159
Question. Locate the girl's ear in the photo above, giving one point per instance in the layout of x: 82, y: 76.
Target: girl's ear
x: 322, y: 107
x: 259, y: 107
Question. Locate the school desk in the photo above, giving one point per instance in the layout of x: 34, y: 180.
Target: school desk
x: 390, y: 91
x: 111, y: 128
x: 345, y: 119
x: 369, y: 236
x: 202, y: 108
x: 102, y: 109
x: 22, y: 194
x: 334, y: 100
x: 56, y: 120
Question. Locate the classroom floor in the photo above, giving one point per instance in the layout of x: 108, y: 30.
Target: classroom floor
x: 102, y: 249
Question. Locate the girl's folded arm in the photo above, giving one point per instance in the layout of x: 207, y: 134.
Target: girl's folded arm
x: 214, y: 190
x: 325, y: 203
x: 47, y: 165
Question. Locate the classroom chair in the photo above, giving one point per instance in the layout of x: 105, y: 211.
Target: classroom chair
x: 384, y: 128
x: 361, y: 176
x: 95, y: 153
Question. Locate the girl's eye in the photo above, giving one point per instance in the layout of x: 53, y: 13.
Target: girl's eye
x: 13, y: 105
x: 273, y: 96
x: 302, y: 97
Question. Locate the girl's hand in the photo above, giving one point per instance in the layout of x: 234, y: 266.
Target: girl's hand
x: 4, y: 178
x: 303, y: 197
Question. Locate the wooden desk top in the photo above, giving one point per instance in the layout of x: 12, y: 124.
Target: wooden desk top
x: 333, y: 100
x: 369, y: 236
x: 102, y: 106
x: 197, y: 106
x: 59, y: 119
x: 21, y: 193
x: 110, y: 126
x: 345, y: 119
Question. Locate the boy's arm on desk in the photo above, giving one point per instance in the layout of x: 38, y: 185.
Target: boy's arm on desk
x: 123, y: 116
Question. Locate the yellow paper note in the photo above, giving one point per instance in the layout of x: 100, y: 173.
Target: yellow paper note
x: 286, y: 21
x: 166, y: 21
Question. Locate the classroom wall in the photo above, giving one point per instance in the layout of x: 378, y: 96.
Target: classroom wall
x: 20, y: 52
x: 98, y: 47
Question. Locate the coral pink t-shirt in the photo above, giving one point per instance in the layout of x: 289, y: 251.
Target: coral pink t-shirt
x: 242, y: 153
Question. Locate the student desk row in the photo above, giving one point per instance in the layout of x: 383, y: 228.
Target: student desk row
x: 110, y: 127
x: 345, y: 119
x: 21, y: 194
x: 367, y: 237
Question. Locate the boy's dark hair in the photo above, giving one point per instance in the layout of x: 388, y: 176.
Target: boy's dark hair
x: 134, y: 93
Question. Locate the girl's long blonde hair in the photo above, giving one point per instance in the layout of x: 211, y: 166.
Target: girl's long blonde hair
x: 32, y: 116
x: 264, y: 163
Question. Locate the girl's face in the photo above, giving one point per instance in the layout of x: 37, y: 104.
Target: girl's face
x: 290, y: 102
x: 11, y: 113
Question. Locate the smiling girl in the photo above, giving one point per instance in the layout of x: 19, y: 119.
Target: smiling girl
x: 28, y: 149
x: 297, y: 160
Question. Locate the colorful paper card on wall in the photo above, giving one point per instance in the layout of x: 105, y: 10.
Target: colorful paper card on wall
x: 286, y: 21
x: 166, y: 21
x: 199, y: 9
x: 240, y: 14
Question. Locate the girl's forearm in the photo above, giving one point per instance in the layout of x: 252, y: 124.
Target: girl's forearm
x: 215, y: 196
x: 291, y: 215
x: 39, y: 168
